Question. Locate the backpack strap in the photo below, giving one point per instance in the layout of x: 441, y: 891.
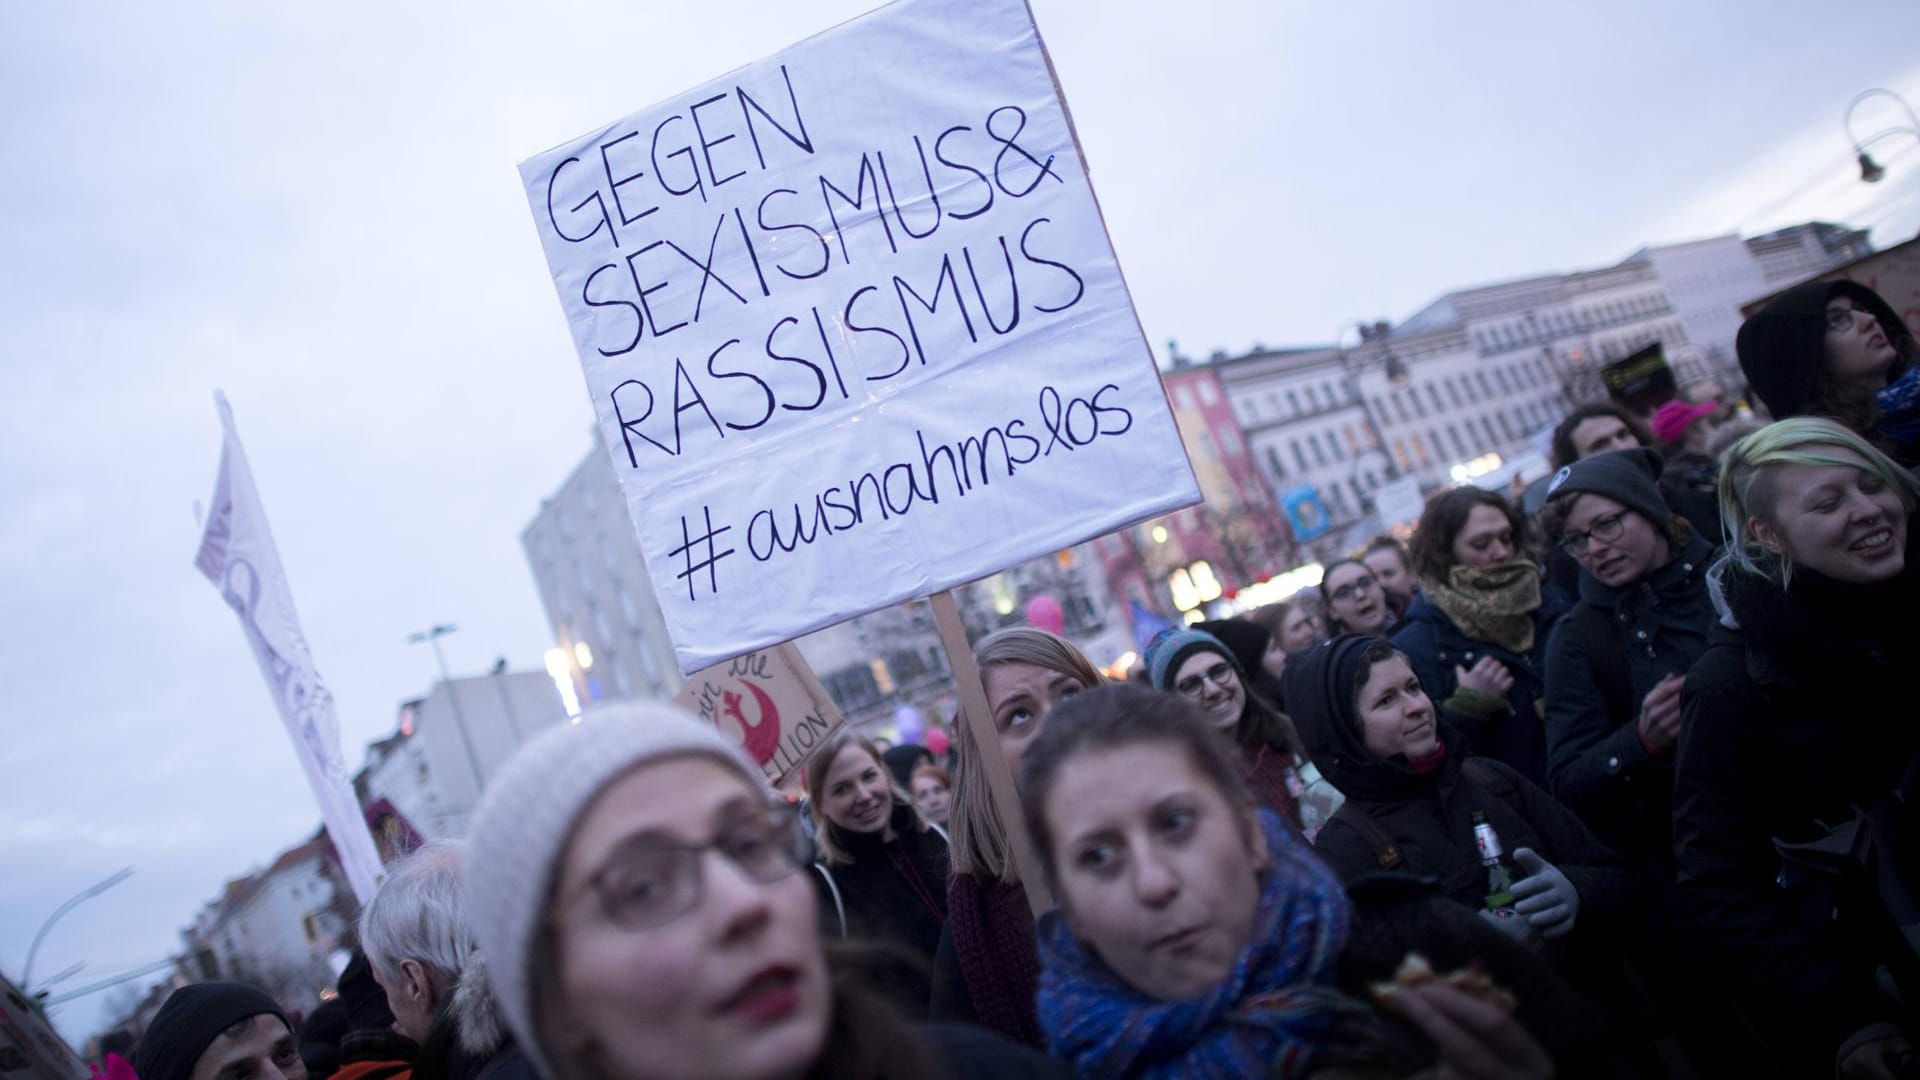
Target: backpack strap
x: 833, y: 888
x: 1385, y: 852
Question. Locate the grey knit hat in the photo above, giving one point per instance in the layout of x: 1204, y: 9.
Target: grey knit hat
x: 527, y: 817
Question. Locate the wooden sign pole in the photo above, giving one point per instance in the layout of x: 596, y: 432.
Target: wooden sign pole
x: 978, y: 716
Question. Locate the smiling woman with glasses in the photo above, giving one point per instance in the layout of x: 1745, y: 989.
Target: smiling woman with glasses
x: 638, y: 897
x: 1200, y: 668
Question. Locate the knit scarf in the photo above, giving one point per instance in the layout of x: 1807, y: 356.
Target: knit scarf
x: 992, y: 927
x: 1494, y: 603
x: 1266, y: 1019
x: 1899, y: 404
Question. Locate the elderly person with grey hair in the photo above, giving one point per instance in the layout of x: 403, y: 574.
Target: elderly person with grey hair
x: 415, y: 934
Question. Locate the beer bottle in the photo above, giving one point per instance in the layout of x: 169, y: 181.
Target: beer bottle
x: 1494, y: 858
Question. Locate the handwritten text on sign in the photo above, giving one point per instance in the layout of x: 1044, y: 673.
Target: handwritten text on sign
x: 852, y: 326
x: 763, y: 703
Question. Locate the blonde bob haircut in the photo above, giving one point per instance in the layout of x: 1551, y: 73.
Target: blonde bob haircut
x: 831, y: 852
x: 978, y: 835
x: 1746, y: 491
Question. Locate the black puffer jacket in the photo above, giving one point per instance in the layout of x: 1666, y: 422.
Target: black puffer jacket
x: 1606, y: 656
x: 1429, y: 816
x: 893, y: 892
x: 1792, y: 720
x: 1435, y: 646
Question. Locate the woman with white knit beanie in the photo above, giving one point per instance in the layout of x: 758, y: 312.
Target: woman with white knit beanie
x: 634, y: 886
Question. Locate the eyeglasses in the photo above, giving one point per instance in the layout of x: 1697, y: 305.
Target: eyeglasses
x: 1340, y: 595
x: 1841, y: 318
x: 1605, y: 529
x: 1218, y: 675
x: 657, y: 881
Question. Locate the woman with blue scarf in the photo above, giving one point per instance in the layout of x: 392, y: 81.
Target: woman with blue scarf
x: 1198, y: 936
x: 1837, y: 349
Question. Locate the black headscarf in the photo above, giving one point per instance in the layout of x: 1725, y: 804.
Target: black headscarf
x: 188, y: 1022
x: 1783, y: 347
x: 1319, y: 684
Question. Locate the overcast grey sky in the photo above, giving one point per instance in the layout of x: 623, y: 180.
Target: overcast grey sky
x: 315, y: 207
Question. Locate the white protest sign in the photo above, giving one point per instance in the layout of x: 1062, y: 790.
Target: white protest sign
x: 852, y: 326
x: 1399, y: 502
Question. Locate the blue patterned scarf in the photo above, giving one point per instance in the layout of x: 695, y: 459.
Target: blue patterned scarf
x: 1899, y: 403
x: 1265, y: 1020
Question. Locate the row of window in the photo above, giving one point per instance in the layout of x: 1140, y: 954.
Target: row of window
x: 1551, y: 324
x: 1314, y: 397
x: 1467, y: 438
x: 1669, y: 335
x: 1209, y: 397
x: 1463, y: 390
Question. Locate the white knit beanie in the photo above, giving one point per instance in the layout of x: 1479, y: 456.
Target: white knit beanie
x: 527, y: 816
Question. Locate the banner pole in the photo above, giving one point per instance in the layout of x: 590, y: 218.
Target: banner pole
x: 978, y: 716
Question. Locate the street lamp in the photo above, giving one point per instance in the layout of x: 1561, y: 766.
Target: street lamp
x: 1397, y: 374
x: 1871, y: 171
x: 432, y: 637
x: 26, y: 975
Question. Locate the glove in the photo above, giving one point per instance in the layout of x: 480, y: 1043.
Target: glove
x: 1544, y: 896
x: 1513, y: 925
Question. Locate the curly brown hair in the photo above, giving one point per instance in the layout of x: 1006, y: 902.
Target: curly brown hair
x: 1446, y: 514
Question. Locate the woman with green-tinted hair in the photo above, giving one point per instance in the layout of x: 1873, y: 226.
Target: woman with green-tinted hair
x: 1800, y: 711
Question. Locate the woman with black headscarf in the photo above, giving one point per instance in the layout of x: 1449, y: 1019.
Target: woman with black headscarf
x: 1837, y: 349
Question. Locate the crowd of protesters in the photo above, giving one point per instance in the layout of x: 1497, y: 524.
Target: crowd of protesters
x: 1609, y: 779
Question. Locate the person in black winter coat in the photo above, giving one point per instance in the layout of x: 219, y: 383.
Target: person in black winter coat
x: 1417, y: 802
x: 1602, y: 427
x: 1837, y: 349
x: 1412, y: 792
x: 882, y: 875
x: 1615, y: 672
x: 1617, y: 662
x: 1476, y: 632
x: 1796, y: 715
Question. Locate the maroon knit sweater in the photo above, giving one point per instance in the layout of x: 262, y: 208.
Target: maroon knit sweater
x: 992, y: 929
x: 1265, y: 771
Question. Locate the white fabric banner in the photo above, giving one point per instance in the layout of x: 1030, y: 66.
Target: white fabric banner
x: 238, y: 555
x: 852, y: 326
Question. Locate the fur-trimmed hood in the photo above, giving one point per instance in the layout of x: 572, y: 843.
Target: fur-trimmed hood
x: 475, y: 1011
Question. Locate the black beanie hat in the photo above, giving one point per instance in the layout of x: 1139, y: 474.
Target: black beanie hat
x: 1783, y: 347
x: 188, y: 1022
x: 1246, y: 640
x: 1629, y: 477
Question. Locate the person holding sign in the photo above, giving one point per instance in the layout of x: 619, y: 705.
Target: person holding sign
x: 639, y: 897
x: 882, y: 872
x: 1199, y: 936
x: 986, y: 968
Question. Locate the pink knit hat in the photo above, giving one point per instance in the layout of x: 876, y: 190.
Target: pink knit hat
x: 1671, y: 421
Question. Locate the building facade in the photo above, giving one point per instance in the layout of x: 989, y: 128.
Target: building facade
x: 1182, y: 561
x: 278, y: 928
x: 449, y: 743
